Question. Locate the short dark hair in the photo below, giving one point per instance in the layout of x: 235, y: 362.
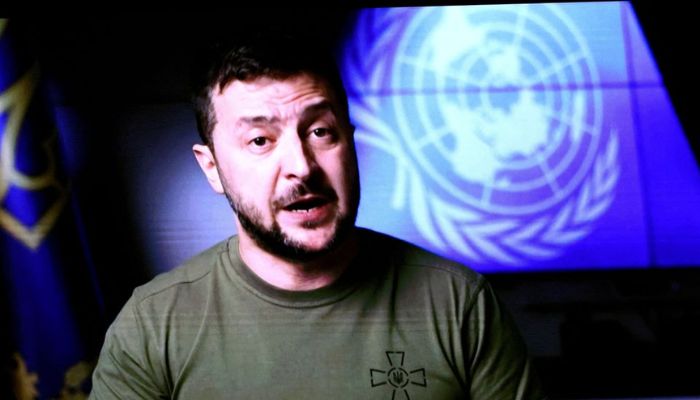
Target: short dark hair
x: 276, y: 56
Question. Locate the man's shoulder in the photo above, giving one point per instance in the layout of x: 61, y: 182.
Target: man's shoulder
x: 188, y: 273
x: 411, y: 259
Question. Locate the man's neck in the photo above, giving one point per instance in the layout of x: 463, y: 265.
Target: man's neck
x: 297, y: 275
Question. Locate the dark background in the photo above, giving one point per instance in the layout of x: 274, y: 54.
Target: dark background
x: 620, y: 333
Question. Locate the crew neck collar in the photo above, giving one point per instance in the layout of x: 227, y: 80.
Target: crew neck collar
x: 336, y: 291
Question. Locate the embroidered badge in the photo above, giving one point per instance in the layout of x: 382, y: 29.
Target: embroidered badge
x: 397, y: 376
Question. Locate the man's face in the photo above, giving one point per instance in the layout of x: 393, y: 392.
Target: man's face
x: 285, y: 158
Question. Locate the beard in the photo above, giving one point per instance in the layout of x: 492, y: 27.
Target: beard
x: 275, y: 241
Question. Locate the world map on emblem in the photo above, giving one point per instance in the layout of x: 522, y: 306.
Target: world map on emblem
x: 512, y: 112
x: 494, y: 114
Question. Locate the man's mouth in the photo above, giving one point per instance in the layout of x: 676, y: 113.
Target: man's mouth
x: 306, y: 204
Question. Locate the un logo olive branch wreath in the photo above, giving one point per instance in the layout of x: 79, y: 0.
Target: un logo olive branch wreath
x: 444, y: 224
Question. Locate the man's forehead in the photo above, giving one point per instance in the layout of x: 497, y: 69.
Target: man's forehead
x: 296, y: 94
x: 268, y: 85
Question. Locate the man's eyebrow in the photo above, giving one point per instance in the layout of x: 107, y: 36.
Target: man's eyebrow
x: 258, y: 120
x: 318, y: 108
x: 310, y: 111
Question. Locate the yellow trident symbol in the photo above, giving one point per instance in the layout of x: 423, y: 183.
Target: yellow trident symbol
x: 14, y: 101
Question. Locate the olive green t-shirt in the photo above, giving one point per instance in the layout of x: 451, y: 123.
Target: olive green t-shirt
x: 401, y: 323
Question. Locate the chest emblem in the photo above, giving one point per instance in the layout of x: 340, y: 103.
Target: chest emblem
x: 397, y: 376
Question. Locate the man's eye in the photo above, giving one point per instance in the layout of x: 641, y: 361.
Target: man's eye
x: 260, y: 141
x: 321, y: 132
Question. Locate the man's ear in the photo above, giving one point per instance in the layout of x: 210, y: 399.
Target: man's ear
x: 207, y: 162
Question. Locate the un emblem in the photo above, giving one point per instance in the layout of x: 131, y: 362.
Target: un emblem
x: 494, y: 117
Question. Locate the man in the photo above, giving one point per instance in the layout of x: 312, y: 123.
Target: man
x: 302, y: 304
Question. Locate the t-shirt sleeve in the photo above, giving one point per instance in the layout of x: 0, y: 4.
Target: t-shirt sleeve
x: 497, y: 358
x: 129, y: 365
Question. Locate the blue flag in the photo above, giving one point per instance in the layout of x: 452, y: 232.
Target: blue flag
x: 52, y: 323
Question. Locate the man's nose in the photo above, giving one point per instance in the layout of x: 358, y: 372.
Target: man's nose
x: 297, y: 160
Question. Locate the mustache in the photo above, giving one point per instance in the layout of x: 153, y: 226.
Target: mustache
x: 296, y: 192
